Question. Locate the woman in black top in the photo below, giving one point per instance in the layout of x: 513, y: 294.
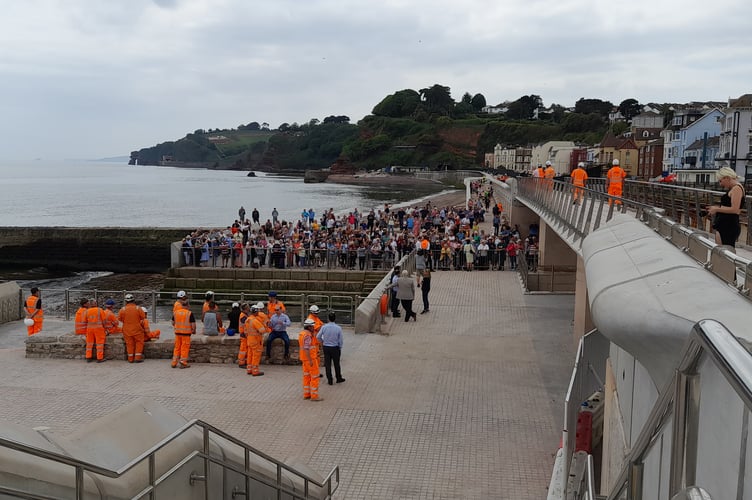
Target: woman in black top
x: 726, y: 216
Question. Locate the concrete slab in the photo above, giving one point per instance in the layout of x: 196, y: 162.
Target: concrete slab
x: 464, y: 403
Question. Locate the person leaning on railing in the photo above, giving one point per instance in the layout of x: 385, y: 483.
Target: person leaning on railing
x: 725, y: 216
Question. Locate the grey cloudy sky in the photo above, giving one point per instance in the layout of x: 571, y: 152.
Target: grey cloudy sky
x: 94, y: 78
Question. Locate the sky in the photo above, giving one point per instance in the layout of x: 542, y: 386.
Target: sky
x: 99, y: 78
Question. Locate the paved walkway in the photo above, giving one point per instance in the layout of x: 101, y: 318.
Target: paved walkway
x: 464, y: 403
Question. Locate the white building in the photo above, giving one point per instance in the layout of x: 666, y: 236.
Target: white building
x: 735, y: 148
x: 557, y: 152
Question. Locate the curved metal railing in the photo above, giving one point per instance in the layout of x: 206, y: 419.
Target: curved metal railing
x: 329, y: 485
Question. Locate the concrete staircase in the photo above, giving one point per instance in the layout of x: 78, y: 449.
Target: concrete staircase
x: 144, y: 450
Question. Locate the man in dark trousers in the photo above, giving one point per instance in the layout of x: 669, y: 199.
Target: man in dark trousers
x: 330, y: 336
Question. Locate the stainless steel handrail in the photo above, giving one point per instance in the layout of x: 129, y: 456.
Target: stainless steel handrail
x: 553, y: 200
x: 207, y: 429
x: 731, y: 358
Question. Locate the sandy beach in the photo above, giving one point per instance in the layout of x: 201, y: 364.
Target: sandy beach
x: 379, y: 180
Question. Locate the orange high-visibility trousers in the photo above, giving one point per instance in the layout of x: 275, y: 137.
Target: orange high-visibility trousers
x: 182, y: 349
x: 134, y: 346
x: 95, y: 337
x: 255, y: 348
x: 614, y: 190
x: 243, y: 352
x: 311, y: 380
x: 36, y: 327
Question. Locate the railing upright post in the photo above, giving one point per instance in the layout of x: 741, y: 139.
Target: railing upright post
x: 67, y: 304
x: 79, y: 483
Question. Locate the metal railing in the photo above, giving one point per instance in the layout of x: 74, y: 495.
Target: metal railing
x: 554, y: 201
x: 80, y: 467
x: 714, y: 353
x: 63, y: 302
x: 588, y: 376
x: 288, y: 258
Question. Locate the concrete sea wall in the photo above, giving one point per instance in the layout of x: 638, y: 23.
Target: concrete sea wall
x: 114, y: 249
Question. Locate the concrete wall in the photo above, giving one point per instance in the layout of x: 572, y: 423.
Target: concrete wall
x: 10, y: 302
x: 554, y: 251
x: 89, y: 249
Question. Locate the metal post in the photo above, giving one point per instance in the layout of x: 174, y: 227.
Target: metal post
x: 67, y: 304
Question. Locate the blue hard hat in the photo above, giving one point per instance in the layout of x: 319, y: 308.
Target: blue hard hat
x: 272, y: 294
x: 109, y: 302
x: 230, y: 332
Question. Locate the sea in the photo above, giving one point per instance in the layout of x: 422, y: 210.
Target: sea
x: 82, y: 193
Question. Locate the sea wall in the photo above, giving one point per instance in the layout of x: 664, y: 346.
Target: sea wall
x: 116, y: 249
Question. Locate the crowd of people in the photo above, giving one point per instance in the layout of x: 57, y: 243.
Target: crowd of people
x: 449, y: 236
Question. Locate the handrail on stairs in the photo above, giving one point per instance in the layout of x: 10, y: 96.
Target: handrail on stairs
x: 329, y: 484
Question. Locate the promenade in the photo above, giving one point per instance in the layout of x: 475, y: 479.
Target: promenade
x: 464, y: 403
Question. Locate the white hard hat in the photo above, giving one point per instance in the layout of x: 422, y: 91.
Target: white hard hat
x: 129, y: 297
x: 615, y: 162
x: 548, y: 163
x: 581, y: 164
x: 254, y: 308
x: 260, y: 305
x: 209, y: 293
x: 314, y: 309
x: 235, y: 304
x: 29, y: 322
x: 309, y: 322
x: 181, y: 294
x: 145, y: 309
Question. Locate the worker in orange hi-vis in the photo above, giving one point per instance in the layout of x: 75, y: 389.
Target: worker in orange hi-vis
x: 615, y: 182
x: 245, y: 311
x: 81, y: 317
x: 309, y: 356
x: 182, y: 298
x: 111, y: 322
x: 95, y: 334
x: 185, y: 326
x: 133, y: 318
x: 579, y: 178
x: 254, y: 332
x: 34, y: 311
x: 209, y: 297
x: 274, y: 304
x: 539, y: 172
x: 549, y: 175
x: 149, y: 334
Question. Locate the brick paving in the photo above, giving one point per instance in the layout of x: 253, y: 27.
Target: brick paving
x: 464, y: 403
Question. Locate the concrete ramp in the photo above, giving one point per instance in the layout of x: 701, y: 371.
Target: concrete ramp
x: 114, y: 442
x: 646, y: 295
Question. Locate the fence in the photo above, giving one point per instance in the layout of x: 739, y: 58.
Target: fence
x: 63, y: 303
x: 288, y: 258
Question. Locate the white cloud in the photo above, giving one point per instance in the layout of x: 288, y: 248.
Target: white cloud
x: 91, y: 78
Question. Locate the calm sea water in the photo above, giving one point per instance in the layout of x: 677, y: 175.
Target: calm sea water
x: 96, y: 194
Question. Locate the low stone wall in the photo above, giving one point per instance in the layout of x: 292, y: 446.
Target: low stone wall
x: 10, y: 302
x: 221, y: 349
x: 368, y: 317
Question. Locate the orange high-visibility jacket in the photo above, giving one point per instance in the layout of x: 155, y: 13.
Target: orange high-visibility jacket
x: 273, y: 306
x: 307, y: 346
x: 31, y: 307
x: 95, y: 320
x: 579, y: 176
x: 81, y: 321
x: 254, y: 327
x: 550, y: 173
x: 133, y: 318
x: 541, y: 173
x: 616, y: 175
x: 182, y: 322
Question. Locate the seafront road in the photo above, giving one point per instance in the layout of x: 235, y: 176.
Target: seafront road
x: 464, y: 403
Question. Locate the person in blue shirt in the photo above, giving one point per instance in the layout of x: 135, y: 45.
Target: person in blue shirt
x: 279, y: 321
x: 330, y: 336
